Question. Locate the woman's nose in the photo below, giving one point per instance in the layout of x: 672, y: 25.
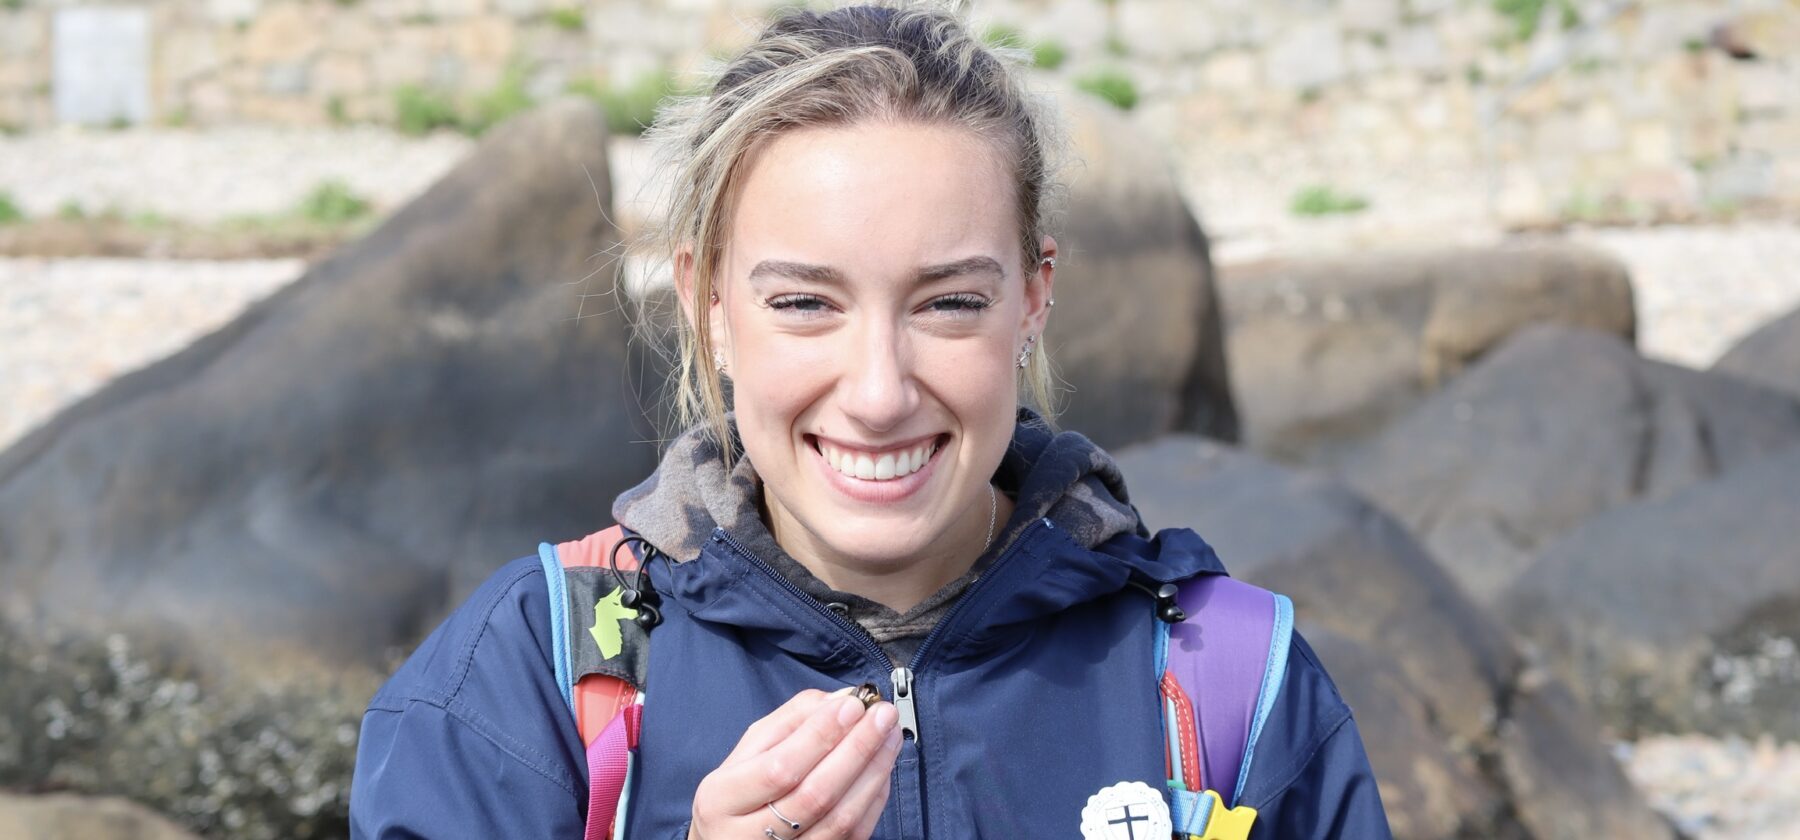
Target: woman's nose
x: 879, y: 389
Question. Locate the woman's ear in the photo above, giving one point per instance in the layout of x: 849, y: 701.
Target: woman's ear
x: 1039, y: 289
x: 683, y: 268
x: 691, y: 309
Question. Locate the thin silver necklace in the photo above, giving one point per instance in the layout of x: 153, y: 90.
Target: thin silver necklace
x: 993, y: 507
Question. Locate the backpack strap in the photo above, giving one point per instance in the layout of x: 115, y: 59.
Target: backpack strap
x: 599, y: 667
x: 1230, y: 654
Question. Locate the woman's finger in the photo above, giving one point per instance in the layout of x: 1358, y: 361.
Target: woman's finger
x: 859, y: 810
x: 777, y: 725
x: 753, y: 782
x: 819, y: 793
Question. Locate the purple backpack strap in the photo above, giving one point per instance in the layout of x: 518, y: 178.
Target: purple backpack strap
x: 1229, y: 656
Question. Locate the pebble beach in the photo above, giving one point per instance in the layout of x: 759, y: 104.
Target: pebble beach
x: 68, y: 326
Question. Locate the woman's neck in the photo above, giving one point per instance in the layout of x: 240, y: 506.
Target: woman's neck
x: 898, y: 586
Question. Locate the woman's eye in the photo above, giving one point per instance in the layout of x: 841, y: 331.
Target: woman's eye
x: 797, y: 303
x: 959, y: 304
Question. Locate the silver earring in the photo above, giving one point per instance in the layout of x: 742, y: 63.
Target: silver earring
x: 1050, y: 261
x: 1025, y: 354
x: 718, y: 360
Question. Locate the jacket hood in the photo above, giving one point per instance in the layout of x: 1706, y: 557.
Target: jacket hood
x: 1060, y: 479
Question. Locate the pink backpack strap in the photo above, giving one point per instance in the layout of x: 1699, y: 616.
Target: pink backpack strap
x: 606, y: 708
x: 609, y: 761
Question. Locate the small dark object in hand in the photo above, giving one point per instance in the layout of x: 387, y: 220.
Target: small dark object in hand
x: 867, y: 693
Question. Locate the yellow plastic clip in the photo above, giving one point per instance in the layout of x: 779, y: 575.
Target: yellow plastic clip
x: 1226, y: 823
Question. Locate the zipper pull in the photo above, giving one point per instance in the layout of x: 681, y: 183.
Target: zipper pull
x: 903, y: 702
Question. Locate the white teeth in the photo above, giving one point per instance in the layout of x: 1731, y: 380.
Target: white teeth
x: 881, y: 468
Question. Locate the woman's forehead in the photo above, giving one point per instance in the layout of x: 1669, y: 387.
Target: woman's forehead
x: 924, y: 194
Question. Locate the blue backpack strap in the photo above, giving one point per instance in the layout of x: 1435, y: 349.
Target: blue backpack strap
x: 1222, y: 668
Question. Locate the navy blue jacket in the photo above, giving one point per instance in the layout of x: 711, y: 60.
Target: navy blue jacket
x: 1037, y: 690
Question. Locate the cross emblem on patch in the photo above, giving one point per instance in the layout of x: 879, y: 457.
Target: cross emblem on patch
x: 1126, y: 811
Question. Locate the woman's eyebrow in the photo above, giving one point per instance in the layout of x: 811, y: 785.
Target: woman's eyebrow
x: 826, y: 275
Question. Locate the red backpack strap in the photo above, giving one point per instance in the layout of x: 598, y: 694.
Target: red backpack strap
x: 602, y: 693
x: 1221, y: 669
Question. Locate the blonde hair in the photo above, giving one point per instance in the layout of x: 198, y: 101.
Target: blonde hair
x: 888, y: 62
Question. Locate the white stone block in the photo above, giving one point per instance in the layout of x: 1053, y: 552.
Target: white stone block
x: 101, y: 68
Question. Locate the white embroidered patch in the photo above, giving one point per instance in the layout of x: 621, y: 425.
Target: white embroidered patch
x: 1126, y: 811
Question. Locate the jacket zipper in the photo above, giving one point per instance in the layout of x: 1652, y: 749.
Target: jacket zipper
x: 901, y: 678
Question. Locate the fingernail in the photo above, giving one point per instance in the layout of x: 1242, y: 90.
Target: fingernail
x: 886, y: 716
x: 849, y: 709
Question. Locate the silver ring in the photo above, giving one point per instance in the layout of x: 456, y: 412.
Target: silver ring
x: 778, y: 815
x: 770, y: 832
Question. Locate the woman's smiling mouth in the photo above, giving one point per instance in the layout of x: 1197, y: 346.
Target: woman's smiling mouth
x: 878, y: 475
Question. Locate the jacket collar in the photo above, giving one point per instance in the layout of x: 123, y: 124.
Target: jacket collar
x: 1073, y: 537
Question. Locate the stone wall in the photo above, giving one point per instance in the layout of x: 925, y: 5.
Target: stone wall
x: 1567, y: 109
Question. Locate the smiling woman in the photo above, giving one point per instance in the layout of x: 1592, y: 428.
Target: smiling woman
x: 879, y: 508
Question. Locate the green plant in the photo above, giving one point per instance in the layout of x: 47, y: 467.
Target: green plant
x: 509, y: 97
x: 1111, y: 85
x: 567, y: 19
x: 1525, y: 14
x: 1116, y: 47
x: 1319, y: 200
x: 419, y: 111
x: 1583, y: 206
x: 147, y: 220
x: 71, y: 210
x: 1694, y: 46
x: 178, y: 118
x: 1045, y: 55
x: 333, y: 203
x: 1003, y: 35
x: 631, y: 109
x: 9, y: 210
x: 336, y: 112
x: 12, y: 5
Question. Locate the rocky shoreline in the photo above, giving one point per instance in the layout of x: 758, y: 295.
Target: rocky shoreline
x: 72, y: 325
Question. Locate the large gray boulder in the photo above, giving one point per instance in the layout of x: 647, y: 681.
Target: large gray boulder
x: 1136, y: 332
x: 1326, y: 351
x: 223, y: 552
x: 334, y: 468
x: 1466, y: 741
x: 1553, y: 428
x: 1680, y: 613
x: 1769, y: 356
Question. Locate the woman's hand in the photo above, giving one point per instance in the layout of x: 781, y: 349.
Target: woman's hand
x: 821, y: 759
